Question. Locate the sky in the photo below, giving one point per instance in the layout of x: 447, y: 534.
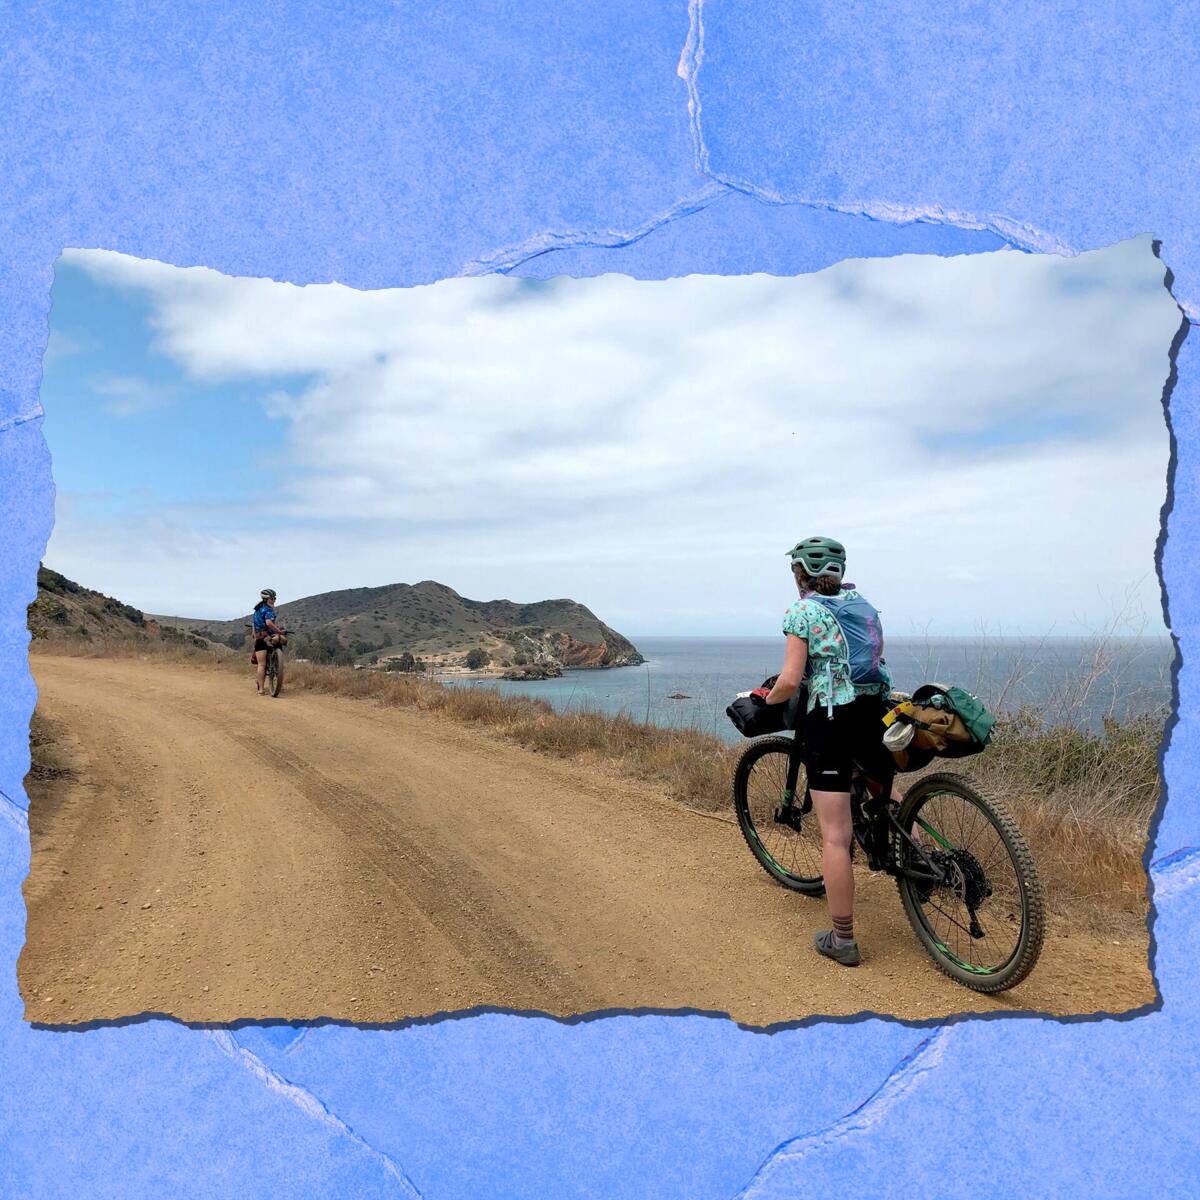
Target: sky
x: 985, y: 433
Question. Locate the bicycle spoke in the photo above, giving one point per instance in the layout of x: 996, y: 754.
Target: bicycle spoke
x: 794, y: 854
x: 958, y: 925
x: 961, y: 828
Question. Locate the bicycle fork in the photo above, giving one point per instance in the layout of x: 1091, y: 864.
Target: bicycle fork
x: 789, y: 813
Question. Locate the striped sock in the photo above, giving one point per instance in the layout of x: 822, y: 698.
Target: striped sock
x: 843, y: 930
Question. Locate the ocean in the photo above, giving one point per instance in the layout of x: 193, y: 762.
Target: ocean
x: 686, y: 682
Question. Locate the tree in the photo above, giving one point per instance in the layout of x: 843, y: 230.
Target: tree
x: 476, y: 658
x: 321, y: 646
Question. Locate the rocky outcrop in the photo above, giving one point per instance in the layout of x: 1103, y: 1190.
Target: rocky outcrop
x: 533, y: 671
x: 554, y: 647
x: 612, y: 651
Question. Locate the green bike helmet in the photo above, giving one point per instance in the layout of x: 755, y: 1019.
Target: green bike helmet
x: 819, y: 556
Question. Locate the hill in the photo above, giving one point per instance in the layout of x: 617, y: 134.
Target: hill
x: 433, y: 623
x: 66, y: 611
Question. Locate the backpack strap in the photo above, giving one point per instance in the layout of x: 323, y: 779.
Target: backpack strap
x: 845, y: 658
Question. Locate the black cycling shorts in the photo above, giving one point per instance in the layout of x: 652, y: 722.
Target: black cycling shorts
x: 261, y: 644
x: 833, y: 744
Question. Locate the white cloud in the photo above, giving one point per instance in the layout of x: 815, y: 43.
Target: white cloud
x: 984, y: 432
x: 60, y: 346
x: 130, y: 395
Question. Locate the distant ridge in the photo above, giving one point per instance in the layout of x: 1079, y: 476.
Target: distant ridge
x: 432, y: 622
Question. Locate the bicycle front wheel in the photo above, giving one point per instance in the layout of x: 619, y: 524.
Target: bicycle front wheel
x: 785, y: 840
x: 984, y: 924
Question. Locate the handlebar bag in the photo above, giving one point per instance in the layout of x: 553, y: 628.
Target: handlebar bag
x: 753, y: 717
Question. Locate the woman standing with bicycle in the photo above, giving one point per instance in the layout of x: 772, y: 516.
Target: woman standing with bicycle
x: 847, y: 689
x: 264, y: 630
x: 965, y: 874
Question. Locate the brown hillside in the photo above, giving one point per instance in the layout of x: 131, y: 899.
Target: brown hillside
x: 66, y: 611
x: 432, y: 621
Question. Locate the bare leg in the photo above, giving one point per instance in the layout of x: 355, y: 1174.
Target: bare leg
x: 261, y: 668
x: 833, y: 813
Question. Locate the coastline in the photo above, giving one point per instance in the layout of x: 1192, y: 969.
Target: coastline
x: 483, y: 674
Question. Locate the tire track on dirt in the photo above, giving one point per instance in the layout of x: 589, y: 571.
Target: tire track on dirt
x: 453, y: 896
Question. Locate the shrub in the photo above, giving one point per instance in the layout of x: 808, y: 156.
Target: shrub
x: 47, y: 608
x: 321, y: 646
x: 52, y: 581
x: 126, y: 612
x: 477, y: 658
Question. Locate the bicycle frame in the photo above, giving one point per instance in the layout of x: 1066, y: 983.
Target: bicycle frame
x: 874, y: 822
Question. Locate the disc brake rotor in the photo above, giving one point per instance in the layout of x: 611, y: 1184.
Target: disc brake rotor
x: 966, y: 879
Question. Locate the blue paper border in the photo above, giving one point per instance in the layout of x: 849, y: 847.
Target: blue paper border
x: 396, y: 144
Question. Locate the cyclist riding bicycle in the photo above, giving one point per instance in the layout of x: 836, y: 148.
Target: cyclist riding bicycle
x: 847, y: 698
x: 266, y: 632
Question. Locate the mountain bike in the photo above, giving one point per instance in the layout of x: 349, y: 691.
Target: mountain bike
x: 966, y: 877
x: 274, y: 675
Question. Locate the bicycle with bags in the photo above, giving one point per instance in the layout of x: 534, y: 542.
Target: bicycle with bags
x: 274, y: 652
x: 966, y: 877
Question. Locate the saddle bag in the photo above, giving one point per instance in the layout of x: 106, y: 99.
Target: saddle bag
x: 946, y: 722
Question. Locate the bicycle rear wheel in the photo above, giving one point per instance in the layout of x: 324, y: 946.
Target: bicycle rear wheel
x: 275, y: 672
x: 785, y: 840
x: 985, y: 924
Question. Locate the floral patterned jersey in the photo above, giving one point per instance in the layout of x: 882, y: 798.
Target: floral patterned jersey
x: 828, y: 672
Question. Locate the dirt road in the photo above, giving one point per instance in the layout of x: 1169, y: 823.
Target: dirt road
x: 215, y: 856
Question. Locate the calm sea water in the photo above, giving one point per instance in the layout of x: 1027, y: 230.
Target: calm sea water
x: 1071, y: 678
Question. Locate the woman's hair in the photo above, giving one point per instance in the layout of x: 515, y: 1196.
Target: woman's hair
x: 261, y: 604
x: 825, y: 585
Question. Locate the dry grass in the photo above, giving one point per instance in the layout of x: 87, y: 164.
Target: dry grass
x: 1083, y: 801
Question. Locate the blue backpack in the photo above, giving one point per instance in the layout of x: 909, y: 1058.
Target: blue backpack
x: 862, y: 632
